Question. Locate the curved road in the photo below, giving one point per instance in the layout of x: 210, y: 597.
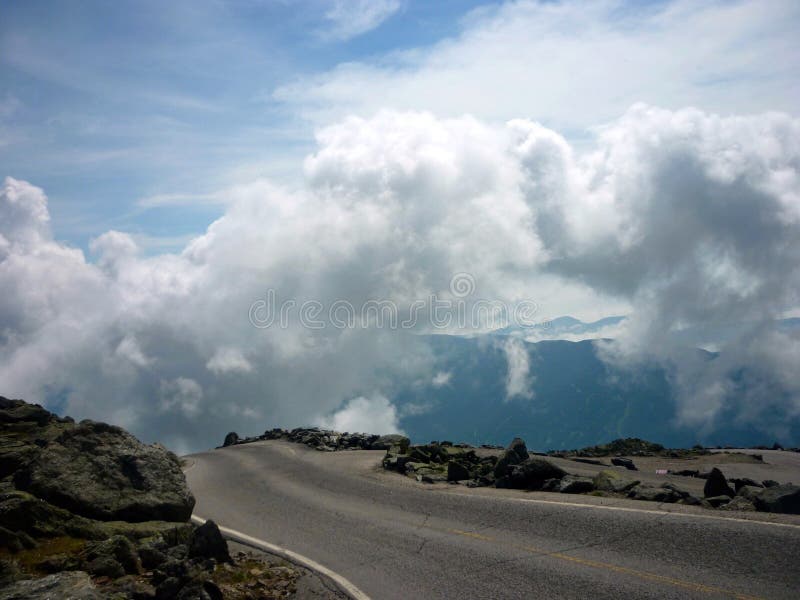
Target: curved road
x: 395, y: 538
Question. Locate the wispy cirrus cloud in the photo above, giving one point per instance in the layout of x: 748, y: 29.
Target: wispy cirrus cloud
x: 350, y: 18
x: 575, y: 65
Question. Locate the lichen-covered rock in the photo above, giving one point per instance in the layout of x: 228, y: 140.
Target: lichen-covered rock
x: 102, y: 472
x: 740, y: 503
x: 387, y: 441
x: 654, y: 494
x: 119, y: 549
x: 611, y: 481
x: 572, y: 484
x: 74, y: 585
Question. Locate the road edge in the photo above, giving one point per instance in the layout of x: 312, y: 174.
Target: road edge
x: 341, y: 583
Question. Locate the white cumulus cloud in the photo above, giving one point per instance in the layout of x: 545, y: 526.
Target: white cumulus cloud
x: 681, y: 216
x: 364, y: 415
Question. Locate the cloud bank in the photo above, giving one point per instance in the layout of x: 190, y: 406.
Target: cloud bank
x: 685, y: 217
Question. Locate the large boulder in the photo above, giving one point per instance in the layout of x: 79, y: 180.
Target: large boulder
x: 779, y: 499
x: 717, y: 485
x: 207, y: 542
x: 516, y: 453
x: 102, y: 472
x: 611, y: 481
x: 530, y: 474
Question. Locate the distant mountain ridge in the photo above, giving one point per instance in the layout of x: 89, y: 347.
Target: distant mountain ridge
x: 578, y: 400
x: 567, y: 327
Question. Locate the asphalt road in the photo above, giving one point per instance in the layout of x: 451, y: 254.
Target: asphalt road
x: 395, y: 538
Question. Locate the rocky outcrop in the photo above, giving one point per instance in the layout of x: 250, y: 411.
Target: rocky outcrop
x: 93, y: 470
x: 324, y: 440
x: 77, y: 503
x: 102, y: 472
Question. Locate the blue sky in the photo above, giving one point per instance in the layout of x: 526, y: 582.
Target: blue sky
x: 105, y: 103
x: 114, y: 107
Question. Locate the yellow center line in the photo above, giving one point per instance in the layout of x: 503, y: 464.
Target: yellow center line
x: 696, y: 587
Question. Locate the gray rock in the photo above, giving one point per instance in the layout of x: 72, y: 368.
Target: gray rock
x: 779, y: 499
x: 654, y: 494
x: 678, y: 490
x: 516, y: 453
x: 717, y: 485
x: 611, y: 481
x: 20, y: 511
x: 768, y: 483
x: 196, y: 590
x: 624, y: 462
x: 691, y: 500
x: 15, y: 540
x: 71, y: 585
x: 102, y: 472
x: 572, y: 484
x: 207, y: 542
x: 531, y: 474
x: 130, y: 588
x: 717, y: 501
x: 118, y: 548
x: 105, y: 566
x: 457, y: 472
x: 740, y: 503
x: 740, y: 482
x: 169, y: 588
x: 749, y: 492
x: 429, y: 476
x: 387, y: 441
